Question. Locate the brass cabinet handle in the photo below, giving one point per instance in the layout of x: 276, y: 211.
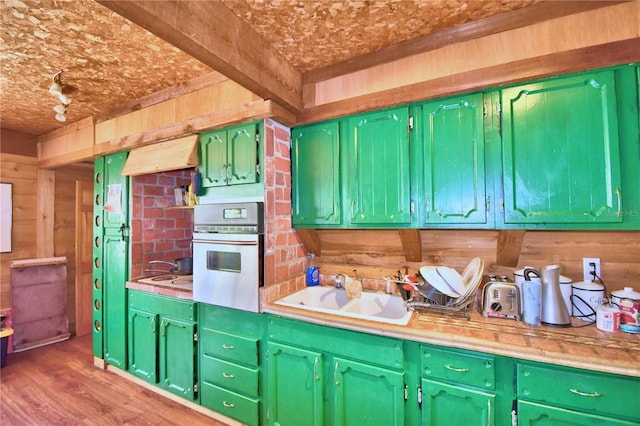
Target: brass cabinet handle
x: 457, y: 370
x: 315, y: 373
x: 619, y: 202
x: 162, y: 328
x: 225, y: 346
x: 591, y: 395
x: 228, y: 404
x: 228, y: 375
x: 153, y: 325
x: 489, y: 412
x: 335, y: 375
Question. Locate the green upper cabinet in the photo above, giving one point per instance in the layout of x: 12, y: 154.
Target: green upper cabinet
x: 454, y: 161
x: 229, y: 156
x: 315, y: 168
x: 561, y: 155
x: 379, y: 172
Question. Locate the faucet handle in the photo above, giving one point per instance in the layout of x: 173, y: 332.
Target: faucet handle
x: 339, y: 280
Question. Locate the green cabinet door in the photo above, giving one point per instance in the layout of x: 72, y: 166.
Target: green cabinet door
x: 111, y: 259
x: 379, y: 178
x: 143, y: 343
x: 532, y: 414
x: 453, y: 161
x: 177, y: 352
x: 213, y: 154
x: 445, y: 404
x: 366, y: 394
x: 561, y: 159
x: 242, y: 154
x: 229, y: 156
x: 315, y: 174
x: 295, y: 386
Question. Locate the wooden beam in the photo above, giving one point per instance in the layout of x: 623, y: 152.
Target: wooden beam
x: 411, y: 244
x: 535, y: 13
x: 160, y: 157
x: 311, y: 240
x: 163, y: 95
x: 213, y: 34
x: 577, y: 60
x: 241, y: 114
x: 509, y: 247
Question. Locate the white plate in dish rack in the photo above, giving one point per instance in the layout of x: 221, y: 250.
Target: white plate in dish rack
x: 431, y: 275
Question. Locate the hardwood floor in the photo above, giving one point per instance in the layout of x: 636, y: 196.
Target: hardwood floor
x: 59, y: 385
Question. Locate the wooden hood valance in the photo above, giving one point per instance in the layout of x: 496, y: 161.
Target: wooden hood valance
x: 162, y: 157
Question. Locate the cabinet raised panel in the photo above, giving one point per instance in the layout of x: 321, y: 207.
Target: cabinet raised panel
x: 380, y: 174
x: 315, y: 174
x: 383, y: 399
x: 561, y: 159
x: 295, y: 386
x: 445, y: 404
x: 453, y: 161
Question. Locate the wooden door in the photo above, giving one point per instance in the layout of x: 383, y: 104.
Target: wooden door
x: 84, y: 235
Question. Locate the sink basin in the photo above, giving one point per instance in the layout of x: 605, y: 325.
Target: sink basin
x: 370, y: 306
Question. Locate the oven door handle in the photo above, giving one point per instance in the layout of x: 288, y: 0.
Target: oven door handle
x: 228, y: 242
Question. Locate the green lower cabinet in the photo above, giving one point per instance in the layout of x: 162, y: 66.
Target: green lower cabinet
x: 296, y: 382
x: 445, y: 404
x: 231, y: 363
x: 577, y: 397
x: 177, y: 368
x: 532, y: 414
x: 162, y: 343
x: 367, y: 395
x: 143, y: 344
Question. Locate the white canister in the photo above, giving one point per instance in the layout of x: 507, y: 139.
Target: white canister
x: 532, y: 295
x: 565, y: 287
x: 628, y: 301
x: 586, y: 297
x: 608, y: 318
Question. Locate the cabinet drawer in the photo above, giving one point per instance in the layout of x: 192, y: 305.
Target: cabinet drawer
x: 230, y: 404
x: 579, y: 389
x: 461, y: 367
x: 228, y: 375
x: 235, y: 348
x: 168, y: 306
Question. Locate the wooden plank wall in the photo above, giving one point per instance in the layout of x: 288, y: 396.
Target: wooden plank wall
x: 22, y: 172
x: 374, y: 253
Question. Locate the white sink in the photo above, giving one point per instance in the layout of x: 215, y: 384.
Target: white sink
x: 370, y: 306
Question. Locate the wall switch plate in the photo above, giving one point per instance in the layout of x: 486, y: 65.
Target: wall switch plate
x: 587, y: 268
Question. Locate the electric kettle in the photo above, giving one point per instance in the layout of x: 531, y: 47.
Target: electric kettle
x: 554, y: 310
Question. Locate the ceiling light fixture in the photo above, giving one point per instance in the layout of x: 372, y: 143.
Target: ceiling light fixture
x: 57, y: 89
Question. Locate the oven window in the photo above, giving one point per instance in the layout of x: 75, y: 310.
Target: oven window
x: 224, y: 261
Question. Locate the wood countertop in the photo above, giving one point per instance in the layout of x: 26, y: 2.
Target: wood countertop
x: 579, y: 347
x: 177, y: 292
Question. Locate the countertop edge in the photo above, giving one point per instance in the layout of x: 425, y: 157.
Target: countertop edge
x: 414, y: 333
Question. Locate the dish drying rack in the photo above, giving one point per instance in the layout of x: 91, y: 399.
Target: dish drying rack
x: 432, y: 301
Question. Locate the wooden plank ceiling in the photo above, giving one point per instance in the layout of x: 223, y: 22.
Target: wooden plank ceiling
x: 115, y: 52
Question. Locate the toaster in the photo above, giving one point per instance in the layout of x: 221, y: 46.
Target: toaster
x: 501, y: 300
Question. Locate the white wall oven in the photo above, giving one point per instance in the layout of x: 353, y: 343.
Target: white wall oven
x: 228, y: 243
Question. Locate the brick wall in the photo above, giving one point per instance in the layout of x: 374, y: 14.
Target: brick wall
x: 284, y: 254
x: 157, y: 231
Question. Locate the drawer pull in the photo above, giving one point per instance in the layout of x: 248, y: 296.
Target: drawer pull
x: 457, y: 370
x: 228, y: 404
x: 591, y: 395
x: 228, y: 375
x: 225, y: 346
